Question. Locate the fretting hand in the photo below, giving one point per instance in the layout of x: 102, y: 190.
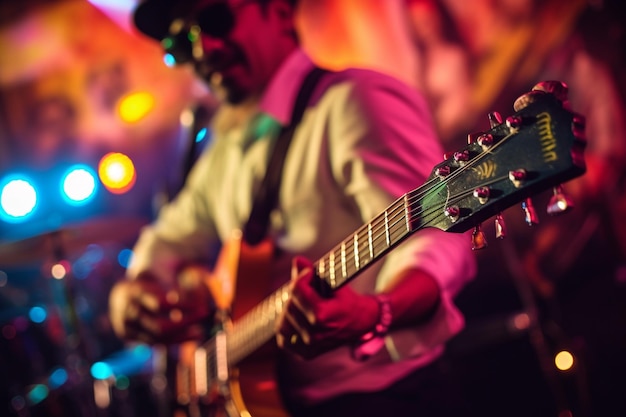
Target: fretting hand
x: 312, y: 324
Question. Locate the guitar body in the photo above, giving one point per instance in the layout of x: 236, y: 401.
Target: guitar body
x: 253, y: 378
x: 238, y: 282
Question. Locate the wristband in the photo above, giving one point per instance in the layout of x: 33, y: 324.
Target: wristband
x: 372, y: 341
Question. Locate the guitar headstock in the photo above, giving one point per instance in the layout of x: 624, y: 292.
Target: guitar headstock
x: 538, y: 147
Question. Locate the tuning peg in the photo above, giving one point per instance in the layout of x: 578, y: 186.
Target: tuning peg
x: 500, y: 226
x: 557, y: 88
x: 513, y: 122
x: 559, y: 203
x: 578, y: 126
x: 479, y: 241
x: 471, y: 137
x: 443, y: 171
x: 485, y: 140
x: 529, y: 212
x: 494, y: 119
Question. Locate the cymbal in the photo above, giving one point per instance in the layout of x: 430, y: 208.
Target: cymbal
x: 60, y: 243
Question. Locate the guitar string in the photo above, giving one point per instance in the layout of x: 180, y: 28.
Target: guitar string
x: 271, y: 303
x: 398, y: 214
x: 421, y: 192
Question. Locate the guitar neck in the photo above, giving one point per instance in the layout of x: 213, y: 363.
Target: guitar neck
x: 256, y: 327
x: 337, y: 267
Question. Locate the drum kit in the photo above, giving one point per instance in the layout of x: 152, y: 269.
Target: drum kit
x: 58, y: 354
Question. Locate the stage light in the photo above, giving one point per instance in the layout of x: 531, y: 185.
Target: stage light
x: 57, y: 378
x: 564, y: 360
x: 101, y: 370
x: 135, y: 106
x: 117, y: 172
x: 169, y: 60
x: 37, y: 393
x: 59, y: 270
x: 78, y: 185
x: 124, y: 257
x: 37, y: 314
x: 202, y: 134
x: 18, y: 199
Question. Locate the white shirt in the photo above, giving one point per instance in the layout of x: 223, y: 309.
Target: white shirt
x: 365, y: 140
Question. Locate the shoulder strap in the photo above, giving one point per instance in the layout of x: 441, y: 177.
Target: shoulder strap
x: 267, y: 195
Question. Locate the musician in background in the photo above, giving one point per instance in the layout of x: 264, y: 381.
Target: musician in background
x: 369, y: 348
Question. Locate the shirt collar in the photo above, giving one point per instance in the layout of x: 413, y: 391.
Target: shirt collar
x: 280, y: 95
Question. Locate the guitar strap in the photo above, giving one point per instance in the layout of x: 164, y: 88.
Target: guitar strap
x: 267, y: 196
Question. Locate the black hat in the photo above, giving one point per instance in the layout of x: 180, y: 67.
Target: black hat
x: 154, y: 17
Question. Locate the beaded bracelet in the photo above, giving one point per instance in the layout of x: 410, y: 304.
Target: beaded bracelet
x: 372, y: 341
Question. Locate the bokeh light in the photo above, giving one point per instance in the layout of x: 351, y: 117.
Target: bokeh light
x: 37, y: 314
x: 117, y: 172
x: 79, y: 185
x: 134, y: 107
x: 564, y: 360
x: 18, y: 199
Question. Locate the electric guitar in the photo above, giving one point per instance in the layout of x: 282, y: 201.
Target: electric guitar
x: 540, y: 146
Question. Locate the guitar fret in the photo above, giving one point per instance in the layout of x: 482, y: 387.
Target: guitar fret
x: 387, y: 229
x: 344, y: 271
x: 333, y: 279
x: 355, y: 243
x: 321, y: 268
x: 406, y: 213
x: 370, y: 240
x: 278, y: 302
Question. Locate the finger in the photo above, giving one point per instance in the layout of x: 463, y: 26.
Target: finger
x: 302, y: 284
x: 304, y: 309
x: 284, y: 327
x: 297, y: 322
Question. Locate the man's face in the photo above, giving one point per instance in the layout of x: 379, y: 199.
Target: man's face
x: 240, y: 59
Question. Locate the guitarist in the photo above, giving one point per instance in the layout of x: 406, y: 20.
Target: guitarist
x: 365, y: 139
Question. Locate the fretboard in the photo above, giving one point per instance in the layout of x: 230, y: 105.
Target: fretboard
x: 341, y: 264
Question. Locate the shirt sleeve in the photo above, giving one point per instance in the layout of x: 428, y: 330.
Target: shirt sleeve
x: 383, y: 146
x: 183, y: 231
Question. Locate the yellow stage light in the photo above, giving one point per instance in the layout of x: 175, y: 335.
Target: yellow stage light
x: 117, y: 172
x: 134, y: 107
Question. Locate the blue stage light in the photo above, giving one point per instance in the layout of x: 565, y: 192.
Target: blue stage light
x: 169, y: 60
x: 57, y: 378
x: 18, y: 199
x: 37, y: 314
x: 124, y: 257
x: 202, y: 134
x: 101, y: 370
x: 79, y: 185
